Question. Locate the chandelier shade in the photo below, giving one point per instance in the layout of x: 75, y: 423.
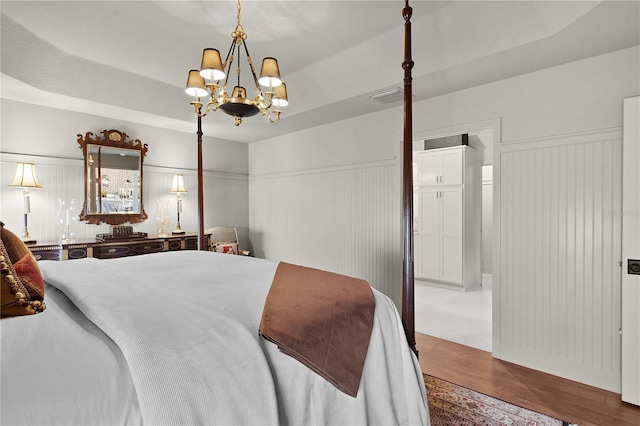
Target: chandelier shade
x: 270, y: 73
x: 195, y: 85
x: 212, y: 79
x: 280, y: 96
x: 211, y: 66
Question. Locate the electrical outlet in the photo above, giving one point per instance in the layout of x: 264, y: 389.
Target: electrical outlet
x: 633, y: 266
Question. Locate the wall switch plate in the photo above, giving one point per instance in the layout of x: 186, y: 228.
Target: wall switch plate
x: 633, y: 266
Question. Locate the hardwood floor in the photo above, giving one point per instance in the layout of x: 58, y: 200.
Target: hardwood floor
x: 557, y: 397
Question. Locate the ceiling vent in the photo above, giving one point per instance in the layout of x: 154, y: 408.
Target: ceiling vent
x: 388, y: 96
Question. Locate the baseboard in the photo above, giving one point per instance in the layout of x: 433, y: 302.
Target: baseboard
x: 589, y: 375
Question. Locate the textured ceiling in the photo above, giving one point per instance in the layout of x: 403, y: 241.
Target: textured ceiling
x: 129, y: 59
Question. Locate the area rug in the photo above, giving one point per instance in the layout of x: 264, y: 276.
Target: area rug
x: 450, y: 404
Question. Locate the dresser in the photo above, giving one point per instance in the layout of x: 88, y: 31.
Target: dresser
x: 119, y: 248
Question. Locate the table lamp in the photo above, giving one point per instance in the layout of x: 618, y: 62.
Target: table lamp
x: 25, y: 178
x: 177, y: 187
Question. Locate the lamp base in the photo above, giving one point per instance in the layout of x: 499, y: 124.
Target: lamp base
x: 25, y: 237
x: 178, y: 229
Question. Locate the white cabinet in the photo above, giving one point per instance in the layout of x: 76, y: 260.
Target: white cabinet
x: 440, y: 233
x: 446, y: 240
x: 440, y: 167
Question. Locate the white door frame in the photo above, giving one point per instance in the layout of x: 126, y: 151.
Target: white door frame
x: 630, y: 368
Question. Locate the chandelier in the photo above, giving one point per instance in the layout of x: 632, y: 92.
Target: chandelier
x: 212, y: 81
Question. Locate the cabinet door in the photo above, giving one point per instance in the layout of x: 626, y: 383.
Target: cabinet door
x: 429, y: 235
x: 430, y: 167
x: 452, y: 167
x: 451, y: 236
x: 439, y: 240
x: 440, y: 167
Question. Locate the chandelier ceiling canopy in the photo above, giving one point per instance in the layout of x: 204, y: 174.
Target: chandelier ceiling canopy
x: 212, y: 80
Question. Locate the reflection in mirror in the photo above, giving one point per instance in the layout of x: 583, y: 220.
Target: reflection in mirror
x: 113, y: 178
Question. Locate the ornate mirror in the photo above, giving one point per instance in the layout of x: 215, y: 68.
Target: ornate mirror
x: 112, y: 178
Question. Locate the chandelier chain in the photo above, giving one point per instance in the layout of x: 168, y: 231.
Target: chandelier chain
x: 238, y: 34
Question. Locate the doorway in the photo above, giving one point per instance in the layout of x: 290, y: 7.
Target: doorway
x: 464, y: 317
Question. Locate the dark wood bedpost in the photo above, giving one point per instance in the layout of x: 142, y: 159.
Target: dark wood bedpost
x: 408, y: 309
x: 201, y: 242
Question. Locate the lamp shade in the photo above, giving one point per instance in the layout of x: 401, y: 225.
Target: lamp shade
x: 25, y: 176
x: 280, y: 96
x: 195, y: 85
x: 177, y: 185
x: 270, y: 73
x: 211, y: 66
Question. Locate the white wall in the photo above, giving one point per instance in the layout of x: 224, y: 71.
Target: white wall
x: 560, y: 255
x: 366, y: 138
x: 573, y: 98
x: 48, y: 137
x: 328, y: 198
x: 50, y: 132
x: 579, y: 96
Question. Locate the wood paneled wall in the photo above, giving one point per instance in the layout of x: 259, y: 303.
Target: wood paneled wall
x: 226, y: 198
x: 344, y: 219
x: 560, y: 254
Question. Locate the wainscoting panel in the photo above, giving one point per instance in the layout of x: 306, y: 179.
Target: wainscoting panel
x: 226, y: 198
x: 560, y: 256
x: 345, y: 220
x: 61, y: 179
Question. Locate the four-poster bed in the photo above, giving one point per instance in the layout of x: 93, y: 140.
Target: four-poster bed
x: 408, y: 308
x: 186, y: 338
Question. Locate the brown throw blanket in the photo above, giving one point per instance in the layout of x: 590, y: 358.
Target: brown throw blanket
x: 323, y: 320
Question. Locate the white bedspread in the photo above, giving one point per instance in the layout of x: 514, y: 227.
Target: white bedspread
x: 58, y: 368
x: 187, y: 325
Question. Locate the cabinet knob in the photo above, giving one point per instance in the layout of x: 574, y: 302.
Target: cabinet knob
x: 112, y: 250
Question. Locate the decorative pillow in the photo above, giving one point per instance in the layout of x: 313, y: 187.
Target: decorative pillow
x: 16, y: 248
x: 22, y: 289
x: 228, y: 247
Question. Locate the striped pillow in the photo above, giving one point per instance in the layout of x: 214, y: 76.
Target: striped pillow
x: 229, y: 247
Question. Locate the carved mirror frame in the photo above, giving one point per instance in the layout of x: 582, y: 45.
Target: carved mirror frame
x: 114, y: 139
